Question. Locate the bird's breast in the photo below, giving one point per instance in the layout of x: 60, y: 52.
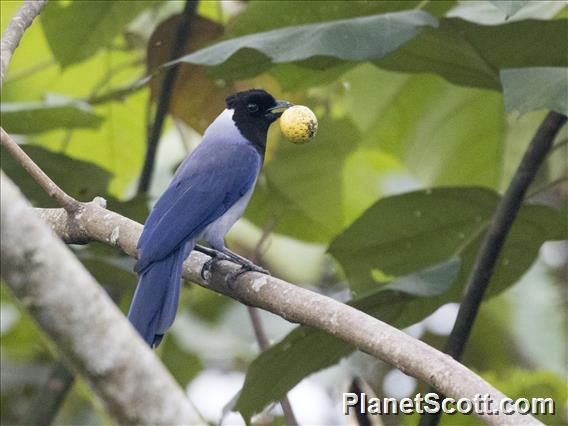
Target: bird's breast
x: 214, y: 233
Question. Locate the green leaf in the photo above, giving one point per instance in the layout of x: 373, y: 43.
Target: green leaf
x: 470, y: 54
x: 431, y: 126
x: 55, y: 112
x: 183, y: 365
x: 462, y: 52
x: 118, y: 146
x: 77, y: 30
x: 509, y: 7
x: 528, y: 89
x: 363, y: 38
x: 136, y: 208
x: 405, y: 233
x: 265, y: 16
x: 408, y: 232
x: 302, y: 191
x: 306, y: 350
x: 112, y: 270
x: 517, y: 383
x: 80, y: 179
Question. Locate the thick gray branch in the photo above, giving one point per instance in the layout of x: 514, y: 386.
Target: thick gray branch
x: 297, y: 305
x: 15, y: 30
x: 89, y: 330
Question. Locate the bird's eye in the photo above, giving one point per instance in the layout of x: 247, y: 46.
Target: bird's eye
x: 252, y: 107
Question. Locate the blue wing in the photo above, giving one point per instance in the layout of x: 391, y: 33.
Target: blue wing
x: 205, y: 186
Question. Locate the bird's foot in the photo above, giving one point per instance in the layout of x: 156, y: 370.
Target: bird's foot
x: 231, y: 279
x: 208, y: 266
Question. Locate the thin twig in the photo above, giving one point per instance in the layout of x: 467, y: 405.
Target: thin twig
x: 258, y: 328
x: 546, y: 187
x: 559, y: 145
x: 49, y: 398
x: 15, y: 31
x: 501, y: 223
x: 165, y: 96
x: 18, y: 75
x: 264, y: 344
x: 118, y: 94
x: 54, y: 191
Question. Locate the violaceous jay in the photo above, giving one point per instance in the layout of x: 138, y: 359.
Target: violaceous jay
x: 209, y: 192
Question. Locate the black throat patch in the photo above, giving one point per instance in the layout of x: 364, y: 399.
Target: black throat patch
x: 254, y: 131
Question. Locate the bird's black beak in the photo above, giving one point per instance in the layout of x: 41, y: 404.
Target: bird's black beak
x: 272, y: 114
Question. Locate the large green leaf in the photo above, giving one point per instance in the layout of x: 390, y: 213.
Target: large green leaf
x: 532, y: 383
x: 77, y: 30
x: 37, y: 117
x: 306, y: 350
x: 118, y: 145
x: 269, y: 15
x: 316, y: 45
x: 470, y: 54
x: 408, y: 232
x: 527, y: 89
x: 462, y: 52
x: 302, y: 194
x: 444, y: 135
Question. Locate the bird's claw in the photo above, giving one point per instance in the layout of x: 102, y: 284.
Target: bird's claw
x: 231, y: 279
x: 207, y: 266
x: 206, y: 269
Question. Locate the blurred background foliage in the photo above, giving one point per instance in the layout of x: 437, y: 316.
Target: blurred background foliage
x: 425, y: 109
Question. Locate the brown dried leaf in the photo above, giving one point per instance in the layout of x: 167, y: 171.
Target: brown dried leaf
x: 196, y: 99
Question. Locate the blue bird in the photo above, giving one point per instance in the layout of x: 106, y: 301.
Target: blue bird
x: 209, y: 192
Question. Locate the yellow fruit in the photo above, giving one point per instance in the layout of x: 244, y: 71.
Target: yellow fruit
x: 298, y: 124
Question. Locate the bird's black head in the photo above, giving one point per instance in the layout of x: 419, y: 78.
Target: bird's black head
x: 255, y: 110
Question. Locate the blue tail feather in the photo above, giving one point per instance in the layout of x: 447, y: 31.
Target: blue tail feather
x: 156, y: 298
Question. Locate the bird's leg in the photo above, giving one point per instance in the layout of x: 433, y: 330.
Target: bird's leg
x: 244, y: 262
x: 205, y: 250
x: 246, y: 266
x: 226, y: 254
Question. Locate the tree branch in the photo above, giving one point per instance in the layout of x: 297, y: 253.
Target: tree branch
x: 15, y: 31
x: 493, y: 242
x: 296, y: 304
x: 90, y: 332
x: 50, y: 187
x: 165, y: 95
x: 502, y: 221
